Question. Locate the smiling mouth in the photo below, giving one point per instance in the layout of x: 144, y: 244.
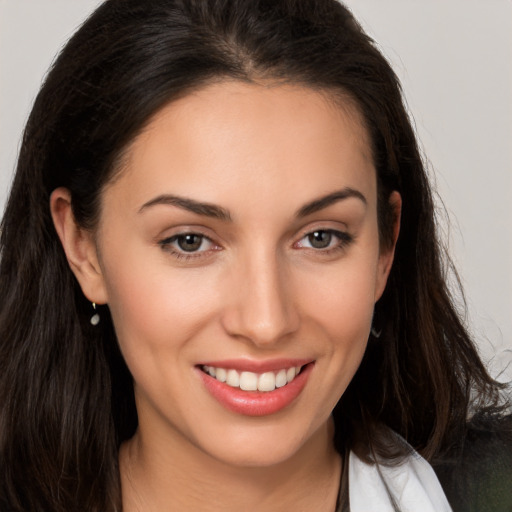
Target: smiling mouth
x: 250, y: 381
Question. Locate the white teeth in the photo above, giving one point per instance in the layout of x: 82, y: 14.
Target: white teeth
x: 232, y: 378
x: 250, y: 381
x: 281, y: 379
x: 267, y: 382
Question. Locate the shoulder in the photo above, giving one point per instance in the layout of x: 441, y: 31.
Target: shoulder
x: 479, y: 477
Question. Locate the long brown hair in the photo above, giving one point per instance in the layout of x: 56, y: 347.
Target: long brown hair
x: 67, y: 397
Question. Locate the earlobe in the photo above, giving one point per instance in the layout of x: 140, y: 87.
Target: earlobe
x: 79, y: 246
x: 386, y: 256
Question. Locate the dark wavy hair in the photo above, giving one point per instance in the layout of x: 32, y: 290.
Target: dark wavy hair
x: 66, y: 395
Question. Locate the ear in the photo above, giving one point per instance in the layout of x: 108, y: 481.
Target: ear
x: 79, y: 246
x: 387, y: 254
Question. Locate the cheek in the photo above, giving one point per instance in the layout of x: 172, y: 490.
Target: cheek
x: 154, y: 306
x: 342, y: 298
x: 339, y: 306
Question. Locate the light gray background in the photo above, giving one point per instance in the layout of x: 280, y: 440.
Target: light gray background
x: 454, y: 58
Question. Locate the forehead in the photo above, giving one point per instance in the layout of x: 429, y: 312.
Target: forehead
x: 234, y: 138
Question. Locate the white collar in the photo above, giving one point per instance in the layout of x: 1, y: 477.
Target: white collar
x: 413, y: 485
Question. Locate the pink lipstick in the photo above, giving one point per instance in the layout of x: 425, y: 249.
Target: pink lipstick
x: 255, y: 388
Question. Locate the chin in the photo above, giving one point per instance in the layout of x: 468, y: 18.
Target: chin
x: 256, y: 457
x: 267, y: 445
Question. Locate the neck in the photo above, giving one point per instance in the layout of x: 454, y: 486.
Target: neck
x: 181, y: 477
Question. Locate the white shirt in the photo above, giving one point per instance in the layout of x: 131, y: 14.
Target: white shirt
x: 412, y: 484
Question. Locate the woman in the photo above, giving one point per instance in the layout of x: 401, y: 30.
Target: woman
x: 221, y: 281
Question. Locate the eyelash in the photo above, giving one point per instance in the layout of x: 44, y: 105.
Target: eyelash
x: 167, y: 245
x: 344, y: 240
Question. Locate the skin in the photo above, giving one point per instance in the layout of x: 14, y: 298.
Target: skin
x: 256, y: 288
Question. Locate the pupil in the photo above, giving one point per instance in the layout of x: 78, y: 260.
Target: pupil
x: 190, y: 243
x: 320, y: 239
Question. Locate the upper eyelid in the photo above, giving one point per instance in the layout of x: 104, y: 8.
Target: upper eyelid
x: 172, y: 238
x: 182, y: 231
x: 325, y: 224
x: 322, y: 227
x: 336, y: 232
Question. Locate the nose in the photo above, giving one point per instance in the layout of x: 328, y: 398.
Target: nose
x: 262, y: 307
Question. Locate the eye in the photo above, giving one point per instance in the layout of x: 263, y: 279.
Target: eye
x: 320, y: 239
x: 324, y: 239
x: 187, y: 244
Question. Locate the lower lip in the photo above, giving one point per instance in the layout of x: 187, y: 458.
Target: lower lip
x: 256, y: 403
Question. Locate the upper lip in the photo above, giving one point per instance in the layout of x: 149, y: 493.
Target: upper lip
x: 255, y: 366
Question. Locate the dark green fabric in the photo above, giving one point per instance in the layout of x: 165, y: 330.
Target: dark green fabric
x: 477, y: 476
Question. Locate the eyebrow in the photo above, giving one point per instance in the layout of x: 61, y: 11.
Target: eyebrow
x: 328, y: 200
x: 205, y: 209
x: 217, y: 212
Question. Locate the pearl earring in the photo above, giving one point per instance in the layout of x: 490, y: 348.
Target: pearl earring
x: 95, y: 319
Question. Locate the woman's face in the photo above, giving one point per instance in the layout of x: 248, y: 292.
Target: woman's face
x: 241, y: 239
